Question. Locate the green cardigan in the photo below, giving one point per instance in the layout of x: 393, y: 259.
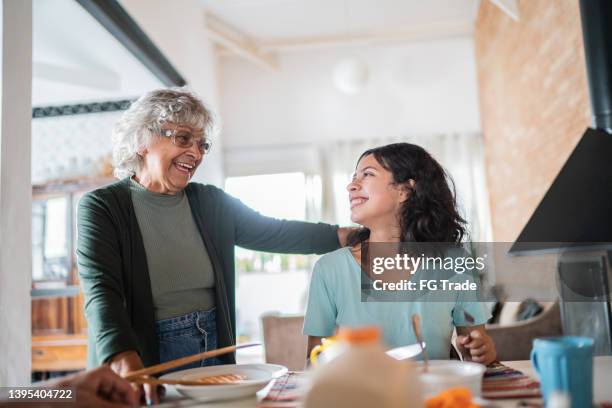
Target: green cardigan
x: 113, y: 265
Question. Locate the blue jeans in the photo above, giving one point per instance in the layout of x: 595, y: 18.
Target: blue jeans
x: 186, y: 335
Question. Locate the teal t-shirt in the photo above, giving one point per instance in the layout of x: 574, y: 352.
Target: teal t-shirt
x: 334, y: 300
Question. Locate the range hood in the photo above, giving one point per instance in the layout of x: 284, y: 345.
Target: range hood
x: 576, y: 211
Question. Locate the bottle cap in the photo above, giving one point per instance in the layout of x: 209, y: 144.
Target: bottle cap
x: 360, y: 335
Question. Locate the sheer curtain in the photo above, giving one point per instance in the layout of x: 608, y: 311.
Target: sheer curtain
x: 461, y: 154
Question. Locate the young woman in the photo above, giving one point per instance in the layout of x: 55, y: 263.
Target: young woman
x: 399, y: 193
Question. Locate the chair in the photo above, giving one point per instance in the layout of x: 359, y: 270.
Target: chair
x: 514, y: 341
x: 284, y: 342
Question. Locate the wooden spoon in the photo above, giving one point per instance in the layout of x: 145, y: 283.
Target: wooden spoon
x: 158, y: 368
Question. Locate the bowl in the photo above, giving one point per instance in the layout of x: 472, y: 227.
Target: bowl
x: 444, y: 374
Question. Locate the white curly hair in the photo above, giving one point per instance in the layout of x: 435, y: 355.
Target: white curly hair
x: 143, y: 121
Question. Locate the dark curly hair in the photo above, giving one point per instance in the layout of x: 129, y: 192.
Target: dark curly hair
x: 430, y: 213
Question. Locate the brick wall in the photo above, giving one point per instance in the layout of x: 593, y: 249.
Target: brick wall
x: 533, y: 102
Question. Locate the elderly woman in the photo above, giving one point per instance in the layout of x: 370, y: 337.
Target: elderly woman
x: 156, y: 252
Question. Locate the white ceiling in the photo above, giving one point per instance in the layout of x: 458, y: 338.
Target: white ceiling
x: 273, y: 20
x: 76, y: 60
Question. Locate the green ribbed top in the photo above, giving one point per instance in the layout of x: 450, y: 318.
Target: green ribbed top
x: 182, y: 276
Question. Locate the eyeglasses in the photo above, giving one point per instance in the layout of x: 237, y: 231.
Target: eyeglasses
x: 185, y: 140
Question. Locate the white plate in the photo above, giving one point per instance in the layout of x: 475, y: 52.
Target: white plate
x: 406, y: 352
x: 257, y: 377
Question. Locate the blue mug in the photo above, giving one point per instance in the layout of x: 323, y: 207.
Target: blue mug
x: 565, y: 364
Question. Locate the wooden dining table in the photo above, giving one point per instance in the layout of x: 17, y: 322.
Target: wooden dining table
x: 602, y: 390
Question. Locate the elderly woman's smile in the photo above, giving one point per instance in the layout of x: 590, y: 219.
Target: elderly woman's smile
x: 170, y: 161
x: 185, y: 166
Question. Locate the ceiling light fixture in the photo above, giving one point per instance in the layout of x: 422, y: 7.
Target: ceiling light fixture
x: 351, y: 75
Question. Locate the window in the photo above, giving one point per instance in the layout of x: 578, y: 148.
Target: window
x: 51, y: 254
x: 272, y: 282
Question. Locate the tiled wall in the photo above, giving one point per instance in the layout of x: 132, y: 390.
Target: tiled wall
x: 65, y: 147
x: 533, y: 102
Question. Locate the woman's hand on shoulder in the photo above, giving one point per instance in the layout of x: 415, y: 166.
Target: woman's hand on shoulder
x: 343, y: 233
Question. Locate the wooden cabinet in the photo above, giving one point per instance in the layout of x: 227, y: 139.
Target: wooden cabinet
x: 59, y: 328
x: 66, y: 352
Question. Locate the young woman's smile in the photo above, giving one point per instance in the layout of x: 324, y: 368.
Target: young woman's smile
x: 374, y: 198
